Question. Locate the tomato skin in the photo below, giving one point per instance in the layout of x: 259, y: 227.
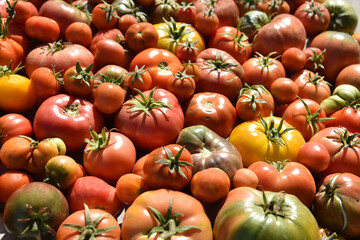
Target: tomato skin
x: 339, y: 211
x: 10, y: 50
x: 192, y: 210
x: 113, y: 161
x: 140, y: 36
x: 15, y: 153
x: 10, y: 181
x: 349, y: 75
x: 283, y: 32
x: 293, y: 59
x: 254, y: 146
x: 109, y: 98
x: 212, y: 110
x: 244, y: 177
x: 223, y: 40
x: 314, y: 156
x: 108, y: 52
x: 293, y: 178
x: 244, y: 214
x: 44, y: 83
x: 284, y: 90
x: 159, y: 128
x: 162, y: 63
x: 79, y: 33
x: 182, y: 88
x: 51, y: 121
x: 346, y: 117
x: 78, y: 218
x: 12, y: 125
x: 206, y: 24
x: 100, y: 19
x: 125, y: 21
x: 77, y: 86
x: 129, y: 187
x: 42, y: 28
x: 52, y: 201
x: 24, y: 10
x: 96, y: 193
x: 62, y: 171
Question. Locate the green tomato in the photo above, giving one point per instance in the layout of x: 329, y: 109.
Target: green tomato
x: 343, y: 17
x: 251, y: 214
x: 332, y: 104
x: 252, y: 21
x: 347, y: 92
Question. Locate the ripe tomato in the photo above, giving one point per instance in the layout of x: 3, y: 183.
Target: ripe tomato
x: 104, y: 16
x: 293, y: 59
x: 10, y: 181
x: 244, y: 177
x: 45, y: 82
x: 181, y: 85
x: 267, y: 139
x: 79, y: 33
x: 108, y: 52
x: 140, y: 36
x: 284, y: 90
x: 125, y: 21
x: 140, y: 78
x: 79, y: 80
x: 12, y: 125
x: 314, y: 156
x: 129, y: 186
x: 42, y: 28
x: 206, y: 22
x: 109, y: 97
x: 346, y: 117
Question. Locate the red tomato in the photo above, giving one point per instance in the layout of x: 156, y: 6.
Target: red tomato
x: 140, y: 36
x: 291, y: 177
x: 314, y: 58
x: 152, y: 120
x: 95, y: 193
x: 347, y: 117
x: 24, y: 10
x: 10, y: 50
x: 45, y: 82
x: 79, y: 80
x: 12, y: 125
x: 129, y: 187
x: 108, y: 52
x: 79, y: 33
x: 109, y: 97
x: 104, y: 16
x: 206, y: 22
x: 42, y: 28
x: 187, y: 51
x: 181, y: 85
x: 314, y: 156
x: 168, y: 167
x: 109, y: 155
x: 125, y: 21
x: 244, y: 177
x: 186, y: 12
x: 68, y: 118
x: 293, y: 59
x: 10, y: 181
x: 284, y: 90
x: 140, y: 78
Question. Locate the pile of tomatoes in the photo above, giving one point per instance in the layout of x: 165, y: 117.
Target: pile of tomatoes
x: 195, y: 119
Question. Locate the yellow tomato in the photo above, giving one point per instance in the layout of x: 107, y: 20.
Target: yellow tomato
x: 256, y: 142
x: 172, y: 33
x: 16, y: 94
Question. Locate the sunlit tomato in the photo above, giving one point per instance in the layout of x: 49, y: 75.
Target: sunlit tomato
x: 129, y: 186
x: 293, y: 59
x: 109, y: 97
x: 45, y: 82
x: 314, y: 156
x: 181, y: 85
x: 104, y: 16
x: 244, y: 177
x: 206, y: 22
x: 10, y: 181
x: 140, y: 36
x: 284, y: 90
x: 79, y: 33
x: 12, y: 125
x: 79, y: 80
x: 42, y: 28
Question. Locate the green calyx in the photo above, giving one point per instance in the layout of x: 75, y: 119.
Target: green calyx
x: 136, y: 74
x: 36, y: 223
x: 10, y: 9
x: 317, y: 59
x: 33, y: 143
x: 347, y: 140
x: 175, y: 33
x: 316, y: 79
x: 186, y: 5
x: 240, y: 38
x: 253, y: 100
x: 109, y: 11
x: 146, y: 104
x: 71, y: 110
x: 314, y: 10
x: 276, y: 206
x: 58, y: 75
x: 182, y: 75
x: 98, y: 141
x: 54, y: 47
x: 250, y: 4
x: 109, y: 78
x: 84, y: 74
x: 168, y: 225
x: 90, y: 230
x: 189, y: 45
x: 7, y: 70
x: 218, y: 64
x: 274, y: 133
x: 265, y: 61
x: 173, y: 162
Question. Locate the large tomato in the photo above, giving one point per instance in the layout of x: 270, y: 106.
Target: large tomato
x: 162, y: 63
x: 159, y: 213
x: 291, y: 177
x: 349, y: 75
x: 267, y: 139
x: 283, y: 32
x: 343, y: 17
x: 68, y: 118
x: 336, y: 204
x: 343, y: 147
x: 151, y: 119
x: 251, y: 214
x: 336, y: 58
x: 220, y: 73
x: 212, y: 110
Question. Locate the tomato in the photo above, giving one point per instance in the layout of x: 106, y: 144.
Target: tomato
x: 314, y: 156
x: 343, y: 16
x: 95, y: 193
x: 208, y: 150
x: 232, y: 41
x: 68, y: 118
x: 140, y: 36
x: 139, y: 166
x: 129, y: 186
x: 113, y: 74
x: 12, y: 125
x: 307, y: 116
x: 166, y: 204
x: 284, y: 90
x: 10, y: 181
x: 335, y: 58
x: 94, y: 223
x: 343, y: 149
x: 187, y: 51
x: 24, y: 10
x: 244, y: 177
x: 220, y: 73
x: 113, y: 34
x: 140, y: 78
x: 346, y: 117
x: 192, y: 69
x: 263, y: 70
x: 30, y: 216
x: 274, y: 7
x: 314, y: 58
x: 186, y: 12
x: 251, y: 22
x: 206, y: 22
x: 45, y: 82
x: 42, y: 28
x: 212, y: 110
x: 79, y: 80
x: 293, y: 59
x: 284, y: 31
x: 314, y: 16
x: 210, y: 185
x: 291, y: 177
x: 267, y: 139
x: 129, y: 7
x: 311, y: 85
x: 63, y: 13
x: 16, y: 93
x: 254, y: 101
x: 108, y: 52
x: 337, y: 202
x: 163, y: 9
x: 162, y: 63
x: 109, y: 155
x: 264, y: 215
x: 125, y: 21
x: 104, y: 16
x: 61, y: 55
x: 61, y: 171
x: 172, y: 33
x: 79, y: 33
x: 181, y: 85
x: 109, y: 97
x: 151, y: 120
x: 349, y: 75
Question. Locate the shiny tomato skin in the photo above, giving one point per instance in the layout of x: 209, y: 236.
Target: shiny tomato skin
x: 51, y: 121
x: 140, y: 36
x: 14, y: 124
x: 10, y: 181
x: 42, y: 28
x: 79, y: 33
x: 314, y: 156
x: 347, y: 117
x: 129, y: 186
